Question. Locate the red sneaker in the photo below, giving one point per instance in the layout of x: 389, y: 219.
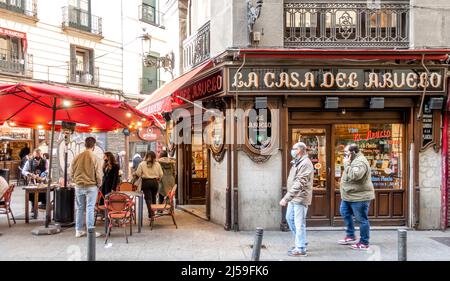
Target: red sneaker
x: 347, y: 241
x: 360, y: 246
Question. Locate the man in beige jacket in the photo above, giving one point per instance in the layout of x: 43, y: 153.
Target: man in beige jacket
x: 299, y: 197
x: 87, y: 175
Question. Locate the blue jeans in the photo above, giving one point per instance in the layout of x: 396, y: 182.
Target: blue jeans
x: 360, y: 211
x: 85, y: 198
x: 296, y: 219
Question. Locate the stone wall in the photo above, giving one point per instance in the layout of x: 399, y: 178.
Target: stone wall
x: 430, y: 181
x: 259, y: 193
x: 218, y: 186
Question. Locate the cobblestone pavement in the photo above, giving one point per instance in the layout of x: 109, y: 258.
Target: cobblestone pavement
x: 196, y: 239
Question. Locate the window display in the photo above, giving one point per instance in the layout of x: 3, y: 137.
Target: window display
x: 381, y: 144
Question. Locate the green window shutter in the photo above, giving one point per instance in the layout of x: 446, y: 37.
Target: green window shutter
x: 150, y: 2
x: 150, y: 77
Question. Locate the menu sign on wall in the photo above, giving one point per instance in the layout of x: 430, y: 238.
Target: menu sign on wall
x: 427, y: 125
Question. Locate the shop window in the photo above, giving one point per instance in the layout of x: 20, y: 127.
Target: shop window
x: 381, y: 144
x: 315, y: 139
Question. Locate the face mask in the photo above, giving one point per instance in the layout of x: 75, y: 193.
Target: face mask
x: 294, y: 153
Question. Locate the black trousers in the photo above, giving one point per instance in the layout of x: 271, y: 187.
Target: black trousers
x: 150, y: 189
x: 42, y: 198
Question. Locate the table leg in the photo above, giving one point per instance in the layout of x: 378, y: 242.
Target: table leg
x: 106, y: 221
x: 36, y: 205
x: 141, y: 211
x: 27, y: 207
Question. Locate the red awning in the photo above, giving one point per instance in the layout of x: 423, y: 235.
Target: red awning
x: 161, y: 100
x: 355, y: 54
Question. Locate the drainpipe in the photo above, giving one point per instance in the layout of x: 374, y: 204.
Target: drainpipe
x: 419, y: 115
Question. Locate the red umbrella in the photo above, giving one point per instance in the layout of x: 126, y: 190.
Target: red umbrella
x: 41, y: 106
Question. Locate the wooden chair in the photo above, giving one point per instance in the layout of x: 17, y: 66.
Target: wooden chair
x: 119, y: 208
x: 128, y: 186
x: 167, y: 208
x: 5, y: 204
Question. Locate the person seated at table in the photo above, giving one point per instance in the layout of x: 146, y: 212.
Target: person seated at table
x: 47, y: 164
x: 34, y: 169
x: 110, y: 174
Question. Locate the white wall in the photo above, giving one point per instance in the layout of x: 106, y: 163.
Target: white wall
x: 218, y: 188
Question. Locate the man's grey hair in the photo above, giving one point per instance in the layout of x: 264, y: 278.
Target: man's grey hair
x: 301, y: 145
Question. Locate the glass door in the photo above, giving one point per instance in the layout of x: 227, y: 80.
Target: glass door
x: 317, y: 139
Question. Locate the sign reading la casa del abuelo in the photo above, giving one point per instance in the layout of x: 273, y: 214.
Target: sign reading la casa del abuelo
x: 205, y: 87
x: 337, y: 79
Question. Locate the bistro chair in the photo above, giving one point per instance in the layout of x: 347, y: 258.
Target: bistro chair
x: 119, y: 209
x: 5, y: 204
x: 128, y: 186
x: 99, y: 209
x: 167, y: 208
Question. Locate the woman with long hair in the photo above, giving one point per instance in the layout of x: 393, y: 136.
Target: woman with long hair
x: 110, y: 174
x: 150, y: 172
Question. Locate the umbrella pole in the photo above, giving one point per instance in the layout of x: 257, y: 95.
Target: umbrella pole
x: 47, y: 212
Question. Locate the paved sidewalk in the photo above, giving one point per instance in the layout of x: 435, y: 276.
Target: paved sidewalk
x: 196, y: 239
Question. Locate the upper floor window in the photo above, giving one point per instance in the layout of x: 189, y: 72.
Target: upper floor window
x: 150, y: 76
x: 23, y: 7
x: 78, y: 16
x: 13, y: 56
x: 149, y: 12
x: 346, y: 23
x: 82, y: 69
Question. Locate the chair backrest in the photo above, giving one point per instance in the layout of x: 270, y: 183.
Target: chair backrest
x: 117, y: 202
x: 7, y: 195
x: 171, y: 194
x: 100, y: 196
x: 126, y: 186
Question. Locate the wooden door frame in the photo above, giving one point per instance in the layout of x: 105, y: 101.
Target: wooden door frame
x: 329, y: 198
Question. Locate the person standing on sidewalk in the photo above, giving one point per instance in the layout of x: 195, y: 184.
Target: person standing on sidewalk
x: 87, y: 175
x: 356, y: 193
x: 298, y: 197
x: 150, y: 172
x: 168, y: 178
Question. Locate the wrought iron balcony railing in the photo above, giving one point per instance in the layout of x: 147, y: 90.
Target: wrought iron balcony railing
x: 81, y: 20
x: 12, y: 63
x: 196, y: 48
x: 78, y: 74
x: 346, y: 23
x: 23, y: 7
x: 151, y: 15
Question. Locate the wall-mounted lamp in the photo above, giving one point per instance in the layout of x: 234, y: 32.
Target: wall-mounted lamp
x: 377, y: 103
x: 166, y: 62
x: 332, y: 103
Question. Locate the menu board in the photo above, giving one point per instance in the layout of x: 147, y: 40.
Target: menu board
x: 427, y: 125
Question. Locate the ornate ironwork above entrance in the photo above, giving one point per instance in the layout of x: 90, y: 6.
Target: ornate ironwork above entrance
x: 342, y: 24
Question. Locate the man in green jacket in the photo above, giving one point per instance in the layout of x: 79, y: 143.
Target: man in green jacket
x: 356, y: 193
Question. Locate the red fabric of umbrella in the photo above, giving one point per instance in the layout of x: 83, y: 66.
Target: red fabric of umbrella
x: 31, y: 105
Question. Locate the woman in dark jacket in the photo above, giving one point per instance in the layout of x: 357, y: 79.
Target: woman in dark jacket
x: 110, y: 174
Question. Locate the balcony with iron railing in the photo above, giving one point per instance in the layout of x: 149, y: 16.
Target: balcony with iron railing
x: 151, y: 15
x: 23, y: 8
x: 196, y: 48
x: 75, y: 19
x: 11, y: 63
x: 346, y: 24
x: 79, y: 74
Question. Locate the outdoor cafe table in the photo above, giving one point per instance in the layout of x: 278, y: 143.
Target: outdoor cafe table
x: 140, y: 196
x: 36, y: 190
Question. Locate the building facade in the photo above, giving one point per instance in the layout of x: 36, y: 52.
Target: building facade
x: 83, y: 44
x: 370, y: 72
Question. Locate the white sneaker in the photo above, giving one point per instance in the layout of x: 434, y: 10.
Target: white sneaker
x: 98, y: 234
x: 79, y: 234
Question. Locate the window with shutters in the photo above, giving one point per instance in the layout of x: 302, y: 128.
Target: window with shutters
x: 82, y: 69
x: 78, y: 16
x: 150, y: 76
x: 149, y: 12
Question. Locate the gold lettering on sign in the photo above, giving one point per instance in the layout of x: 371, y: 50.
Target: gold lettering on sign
x: 309, y: 80
x: 295, y: 82
x: 411, y: 80
x: 435, y: 80
x: 328, y: 80
x: 400, y: 84
x: 253, y: 80
x: 340, y: 79
x: 387, y: 81
x: 238, y: 80
x: 373, y: 81
x: 353, y: 80
x: 268, y: 79
x: 424, y: 80
x: 284, y: 80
